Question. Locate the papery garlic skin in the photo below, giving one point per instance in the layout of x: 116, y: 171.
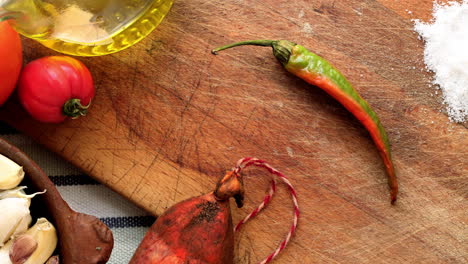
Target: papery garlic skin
x: 11, y: 174
x: 18, y: 192
x: 14, y: 210
x: 22, y: 248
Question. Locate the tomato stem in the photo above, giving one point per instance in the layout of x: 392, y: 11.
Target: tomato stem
x: 7, y: 15
x: 74, y: 109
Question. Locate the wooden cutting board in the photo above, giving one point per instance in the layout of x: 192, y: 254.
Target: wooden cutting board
x: 169, y: 119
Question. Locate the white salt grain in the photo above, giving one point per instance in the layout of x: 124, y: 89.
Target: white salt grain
x: 446, y: 54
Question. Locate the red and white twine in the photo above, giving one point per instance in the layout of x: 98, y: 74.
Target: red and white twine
x: 246, y: 162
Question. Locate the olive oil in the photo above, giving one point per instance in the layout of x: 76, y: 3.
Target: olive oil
x: 86, y: 27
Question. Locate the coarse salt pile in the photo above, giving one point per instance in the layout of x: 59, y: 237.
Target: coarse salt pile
x: 446, y: 54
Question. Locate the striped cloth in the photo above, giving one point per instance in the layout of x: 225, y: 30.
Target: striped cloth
x: 128, y: 222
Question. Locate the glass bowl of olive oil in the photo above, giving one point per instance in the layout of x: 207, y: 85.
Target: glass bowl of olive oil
x: 86, y: 27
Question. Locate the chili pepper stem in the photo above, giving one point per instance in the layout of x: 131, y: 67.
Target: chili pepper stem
x: 74, y: 109
x: 281, y: 48
x: 259, y: 42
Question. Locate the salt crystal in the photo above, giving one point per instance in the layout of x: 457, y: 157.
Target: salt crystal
x: 446, y: 54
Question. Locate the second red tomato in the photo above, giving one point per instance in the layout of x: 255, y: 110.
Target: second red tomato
x: 56, y: 87
x: 11, y: 60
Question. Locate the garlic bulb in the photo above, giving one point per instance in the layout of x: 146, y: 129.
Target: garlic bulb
x: 14, y: 211
x: 11, y: 174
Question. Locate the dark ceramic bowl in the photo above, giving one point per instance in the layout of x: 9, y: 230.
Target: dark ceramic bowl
x: 83, y: 239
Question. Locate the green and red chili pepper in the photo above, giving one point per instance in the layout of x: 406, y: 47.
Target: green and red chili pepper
x: 319, y: 72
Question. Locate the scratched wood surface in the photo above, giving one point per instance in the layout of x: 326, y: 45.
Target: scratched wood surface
x: 169, y: 118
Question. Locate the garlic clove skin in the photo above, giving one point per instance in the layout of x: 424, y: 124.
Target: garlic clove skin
x: 13, y: 212
x: 13, y: 193
x: 22, y: 248
x: 11, y: 174
x: 46, y: 236
x: 18, y: 192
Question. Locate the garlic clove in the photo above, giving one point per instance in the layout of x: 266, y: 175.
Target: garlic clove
x: 46, y: 236
x: 53, y: 260
x: 4, y: 256
x: 11, y: 174
x: 22, y: 248
x: 13, y: 212
x: 23, y: 225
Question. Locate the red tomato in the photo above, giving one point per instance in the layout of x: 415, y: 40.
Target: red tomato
x: 11, y: 60
x: 54, y: 88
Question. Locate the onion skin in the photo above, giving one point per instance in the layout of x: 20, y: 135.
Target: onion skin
x: 198, y: 230
x: 47, y: 84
